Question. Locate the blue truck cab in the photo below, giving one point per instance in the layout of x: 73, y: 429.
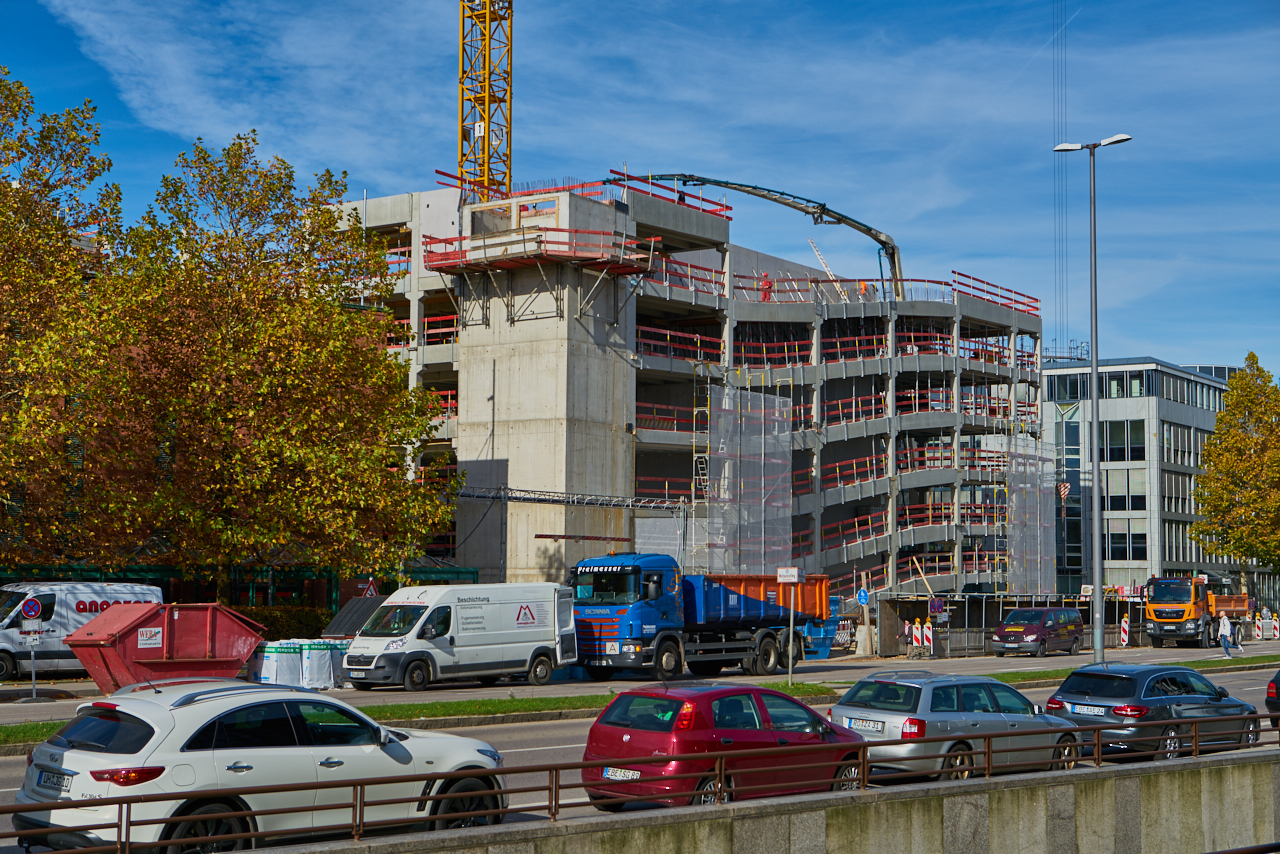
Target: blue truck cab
x: 622, y: 603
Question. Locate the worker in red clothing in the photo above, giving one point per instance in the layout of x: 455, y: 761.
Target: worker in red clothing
x: 766, y: 290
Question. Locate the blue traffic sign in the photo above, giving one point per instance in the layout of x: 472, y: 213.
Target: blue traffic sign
x: 863, y: 598
x: 31, y: 609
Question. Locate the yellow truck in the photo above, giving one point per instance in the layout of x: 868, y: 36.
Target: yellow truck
x: 1184, y: 610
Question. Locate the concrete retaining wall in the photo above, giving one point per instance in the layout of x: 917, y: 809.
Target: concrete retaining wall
x: 1185, y: 807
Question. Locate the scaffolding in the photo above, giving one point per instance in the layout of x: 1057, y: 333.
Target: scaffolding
x: 1031, y: 483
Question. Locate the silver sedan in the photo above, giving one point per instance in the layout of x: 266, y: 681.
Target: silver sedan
x: 964, y: 710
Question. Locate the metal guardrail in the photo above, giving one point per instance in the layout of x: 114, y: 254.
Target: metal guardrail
x: 853, y: 770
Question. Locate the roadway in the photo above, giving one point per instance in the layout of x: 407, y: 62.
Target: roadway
x: 563, y: 741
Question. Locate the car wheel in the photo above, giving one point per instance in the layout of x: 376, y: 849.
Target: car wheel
x: 957, y: 764
x: 1156, y: 643
x: 1066, y: 754
x: 999, y: 653
x: 8, y: 668
x: 487, y: 681
x: 362, y: 686
x: 846, y: 778
x: 467, y: 795
x: 767, y: 661
x: 1075, y: 646
x: 666, y: 662
x: 540, y: 671
x: 1042, y: 650
x: 599, y: 674
x: 1170, y: 744
x: 705, y: 668
x: 595, y: 802
x: 705, y: 795
x: 417, y: 676
x: 202, y: 821
x: 1250, y: 734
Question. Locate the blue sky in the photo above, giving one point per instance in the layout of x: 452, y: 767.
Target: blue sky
x: 931, y: 121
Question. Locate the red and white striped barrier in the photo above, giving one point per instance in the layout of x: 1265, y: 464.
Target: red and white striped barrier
x: 928, y: 634
x: 1257, y: 626
x: 1275, y: 628
x: 1124, y: 630
x: 917, y: 637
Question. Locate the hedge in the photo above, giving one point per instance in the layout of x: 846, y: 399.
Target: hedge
x: 283, y: 622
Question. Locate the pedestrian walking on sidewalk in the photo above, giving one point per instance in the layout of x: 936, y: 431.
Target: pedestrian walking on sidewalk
x: 1224, y: 633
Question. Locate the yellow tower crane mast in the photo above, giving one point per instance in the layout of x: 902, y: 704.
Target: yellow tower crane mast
x: 484, y: 99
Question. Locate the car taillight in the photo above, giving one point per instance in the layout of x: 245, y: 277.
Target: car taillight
x: 101, y: 705
x: 1054, y: 704
x: 30, y: 758
x: 684, y: 719
x: 828, y: 714
x: 127, y: 776
x: 1271, y: 690
x: 1130, y: 711
x: 913, y: 728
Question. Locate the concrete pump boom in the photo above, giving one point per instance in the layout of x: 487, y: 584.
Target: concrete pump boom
x: 822, y: 215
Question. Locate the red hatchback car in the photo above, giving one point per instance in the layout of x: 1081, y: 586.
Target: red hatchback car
x: 693, y: 719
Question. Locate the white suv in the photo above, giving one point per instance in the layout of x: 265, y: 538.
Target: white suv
x: 192, y: 737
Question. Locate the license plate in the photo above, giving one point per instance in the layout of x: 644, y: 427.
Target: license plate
x: 868, y: 726
x: 1097, y: 711
x: 621, y: 774
x: 597, y: 662
x: 1011, y: 646
x: 49, y: 780
x: 356, y: 674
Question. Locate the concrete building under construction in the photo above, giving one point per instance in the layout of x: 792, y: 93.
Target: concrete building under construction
x: 617, y: 373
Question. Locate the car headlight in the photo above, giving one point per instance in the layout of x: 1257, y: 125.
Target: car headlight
x: 1029, y: 637
x: 1189, y: 624
x: 398, y: 643
x: 631, y: 648
x: 492, y: 754
x: 1151, y: 627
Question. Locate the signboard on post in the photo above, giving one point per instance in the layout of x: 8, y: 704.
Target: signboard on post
x: 31, y: 609
x: 863, y: 597
x: 790, y: 575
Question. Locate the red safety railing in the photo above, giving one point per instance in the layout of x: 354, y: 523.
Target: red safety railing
x: 664, y: 487
x: 684, y: 198
x: 852, y: 409
x: 859, y: 470
x: 441, y: 545
x: 983, y: 404
x: 651, y: 341
x: 854, y: 348
x: 687, y: 277
x: 401, y: 337
x: 449, y: 402
x: 662, y: 416
x: 802, y: 543
x: 769, y: 289
x: 988, y: 292
x: 439, y: 330
x: 985, y: 350
x: 983, y: 514
x: 509, y: 247
x: 400, y: 260
x: 1027, y: 359
x: 910, y: 343
x: 847, y: 531
x: 917, y: 515
x: 914, y: 459
x: 777, y: 355
x: 983, y: 459
x: 911, y: 401
x: 801, y: 482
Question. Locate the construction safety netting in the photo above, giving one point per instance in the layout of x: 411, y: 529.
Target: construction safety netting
x: 1031, y: 486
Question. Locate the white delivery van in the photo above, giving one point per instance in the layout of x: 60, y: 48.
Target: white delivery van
x: 64, y: 607
x: 422, y: 635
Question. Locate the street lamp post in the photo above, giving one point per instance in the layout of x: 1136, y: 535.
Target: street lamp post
x: 1094, y: 422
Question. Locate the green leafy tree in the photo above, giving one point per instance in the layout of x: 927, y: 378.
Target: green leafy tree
x: 49, y: 261
x: 260, y: 420
x: 1239, y: 492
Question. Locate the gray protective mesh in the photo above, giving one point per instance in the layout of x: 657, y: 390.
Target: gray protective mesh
x: 1031, y: 502
x: 749, y: 513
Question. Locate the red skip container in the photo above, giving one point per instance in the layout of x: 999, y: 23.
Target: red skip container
x: 149, y: 641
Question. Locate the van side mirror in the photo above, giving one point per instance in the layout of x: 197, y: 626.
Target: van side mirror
x: 428, y: 632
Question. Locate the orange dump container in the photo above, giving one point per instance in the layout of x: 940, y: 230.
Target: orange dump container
x: 148, y: 641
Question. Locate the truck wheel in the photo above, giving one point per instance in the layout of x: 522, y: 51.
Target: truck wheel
x: 705, y: 668
x: 8, y: 669
x: 1157, y: 642
x: 767, y: 660
x: 599, y: 674
x: 1205, y: 640
x: 417, y: 676
x: 794, y: 649
x: 540, y: 671
x: 749, y: 666
x: 666, y: 662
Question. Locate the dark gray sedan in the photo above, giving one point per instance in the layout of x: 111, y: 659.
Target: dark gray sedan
x: 1152, y: 708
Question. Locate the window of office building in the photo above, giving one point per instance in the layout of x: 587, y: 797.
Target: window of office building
x: 1126, y: 489
x: 1126, y: 539
x: 1176, y: 444
x: 1117, y: 384
x: 1124, y: 441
